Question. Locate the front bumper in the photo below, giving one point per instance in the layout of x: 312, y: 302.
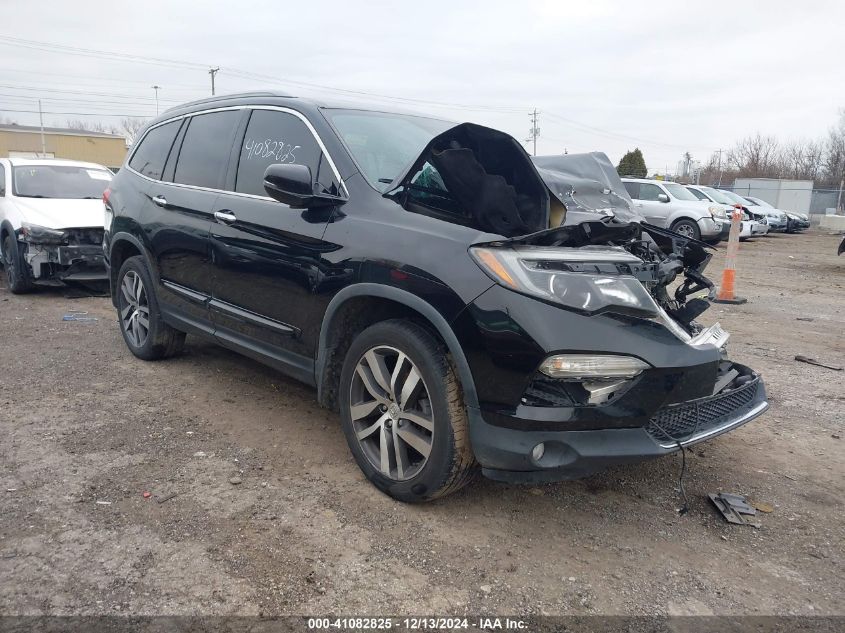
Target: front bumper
x: 505, y: 453
x: 83, y: 262
x: 711, y: 229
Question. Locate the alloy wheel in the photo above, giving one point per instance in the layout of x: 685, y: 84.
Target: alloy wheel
x: 391, y: 413
x: 686, y: 230
x: 134, y: 309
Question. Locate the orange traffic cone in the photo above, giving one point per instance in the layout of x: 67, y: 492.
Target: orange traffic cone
x: 726, y: 292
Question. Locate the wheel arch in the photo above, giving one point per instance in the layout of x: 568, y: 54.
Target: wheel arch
x: 123, y: 246
x: 358, y: 306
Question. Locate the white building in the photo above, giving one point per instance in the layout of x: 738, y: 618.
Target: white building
x: 788, y: 195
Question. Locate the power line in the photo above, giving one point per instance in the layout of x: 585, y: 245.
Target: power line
x: 106, y: 114
x: 243, y: 74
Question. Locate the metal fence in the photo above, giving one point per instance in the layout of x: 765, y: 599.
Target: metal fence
x: 824, y: 199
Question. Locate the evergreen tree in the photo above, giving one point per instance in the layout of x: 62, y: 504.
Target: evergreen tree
x: 632, y: 164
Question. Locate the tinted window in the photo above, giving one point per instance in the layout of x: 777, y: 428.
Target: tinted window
x: 205, y: 149
x: 649, y: 192
x: 2, y: 180
x: 278, y: 137
x: 152, y: 153
x: 633, y: 189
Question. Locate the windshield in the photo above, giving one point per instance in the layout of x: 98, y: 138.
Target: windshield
x: 383, y: 144
x: 761, y: 203
x: 716, y: 196
x: 679, y: 192
x: 60, y: 181
x: 698, y: 194
x: 735, y: 199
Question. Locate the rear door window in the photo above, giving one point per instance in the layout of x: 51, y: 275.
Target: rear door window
x: 2, y: 180
x: 205, y: 150
x: 280, y: 137
x: 152, y: 153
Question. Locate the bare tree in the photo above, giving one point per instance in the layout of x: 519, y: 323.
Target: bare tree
x: 833, y: 165
x: 90, y: 126
x: 130, y: 126
x: 755, y: 157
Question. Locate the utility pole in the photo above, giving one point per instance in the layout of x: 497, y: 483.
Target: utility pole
x: 41, y: 119
x: 534, y: 132
x: 156, y: 88
x: 839, y: 208
x: 720, y: 168
x: 212, y: 72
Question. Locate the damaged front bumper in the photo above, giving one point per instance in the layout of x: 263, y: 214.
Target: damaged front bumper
x: 64, y: 262
x: 509, y: 454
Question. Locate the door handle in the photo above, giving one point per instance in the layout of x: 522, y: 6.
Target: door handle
x: 160, y: 200
x: 227, y: 217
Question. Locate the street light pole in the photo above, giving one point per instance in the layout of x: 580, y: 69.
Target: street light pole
x: 156, y: 88
x: 212, y: 72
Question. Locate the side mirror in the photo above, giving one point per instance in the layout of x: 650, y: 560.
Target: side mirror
x: 662, y: 197
x: 293, y: 186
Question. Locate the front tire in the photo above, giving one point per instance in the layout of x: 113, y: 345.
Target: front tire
x: 687, y: 228
x: 144, y: 331
x: 17, y: 274
x: 403, y: 413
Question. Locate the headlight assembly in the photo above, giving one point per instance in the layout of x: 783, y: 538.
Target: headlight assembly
x: 36, y: 234
x: 716, y: 211
x: 581, y: 279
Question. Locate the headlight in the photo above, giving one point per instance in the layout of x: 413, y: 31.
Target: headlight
x: 41, y: 234
x: 581, y: 366
x: 582, y: 279
x: 716, y: 211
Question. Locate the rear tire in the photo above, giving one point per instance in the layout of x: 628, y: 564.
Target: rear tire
x: 17, y: 273
x: 687, y: 228
x: 416, y: 458
x: 144, y: 331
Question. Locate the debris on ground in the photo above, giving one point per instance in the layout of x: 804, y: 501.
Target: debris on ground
x: 813, y: 361
x: 804, y: 319
x: 235, y: 480
x: 166, y: 497
x: 78, y: 315
x: 147, y: 495
x: 735, y: 508
x: 762, y: 506
x: 104, y: 503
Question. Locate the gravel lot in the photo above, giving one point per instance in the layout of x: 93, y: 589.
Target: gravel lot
x: 272, y: 516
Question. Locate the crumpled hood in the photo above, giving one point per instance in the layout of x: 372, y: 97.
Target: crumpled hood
x: 60, y: 213
x: 587, y: 183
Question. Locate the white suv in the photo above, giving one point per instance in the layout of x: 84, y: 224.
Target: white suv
x: 670, y: 205
x: 51, y: 221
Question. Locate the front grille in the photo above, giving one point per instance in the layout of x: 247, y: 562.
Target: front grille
x: 681, y: 421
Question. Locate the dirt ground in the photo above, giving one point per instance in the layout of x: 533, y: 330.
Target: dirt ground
x: 86, y: 429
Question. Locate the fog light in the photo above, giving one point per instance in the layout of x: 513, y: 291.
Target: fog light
x: 580, y: 366
x: 538, y: 451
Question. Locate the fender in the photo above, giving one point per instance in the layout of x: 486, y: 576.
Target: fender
x: 123, y: 236
x: 415, y: 303
x: 686, y: 214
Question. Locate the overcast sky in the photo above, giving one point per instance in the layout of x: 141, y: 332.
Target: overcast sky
x: 607, y: 76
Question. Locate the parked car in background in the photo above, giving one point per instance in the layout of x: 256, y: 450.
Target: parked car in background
x: 794, y: 221
x: 778, y: 220
x: 409, y: 269
x: 51, y: 221
x: 750, y: 226
x: 670, y: 205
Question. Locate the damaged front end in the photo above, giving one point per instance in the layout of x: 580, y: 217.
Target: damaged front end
x: 59, y: 255
x: 597, y: 357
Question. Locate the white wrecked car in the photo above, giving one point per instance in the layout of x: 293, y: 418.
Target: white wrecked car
x: 51, y: 221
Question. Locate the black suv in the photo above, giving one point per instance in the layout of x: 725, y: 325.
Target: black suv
x: 421, y: 276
